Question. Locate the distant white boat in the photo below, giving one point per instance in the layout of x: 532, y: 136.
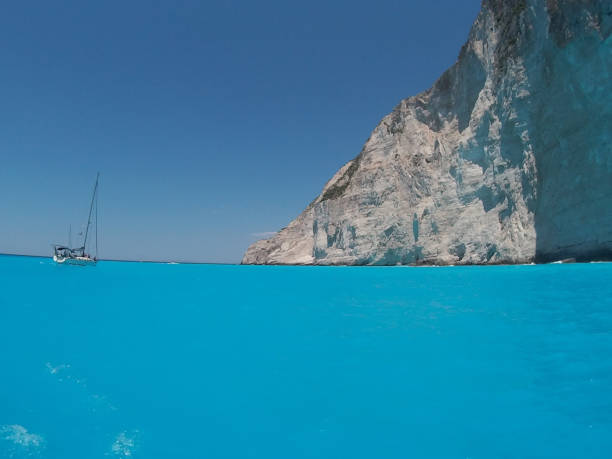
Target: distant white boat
x: 71, y: 259
x: 77, y: 256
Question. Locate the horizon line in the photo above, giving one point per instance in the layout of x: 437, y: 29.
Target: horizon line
x: 128, y: 261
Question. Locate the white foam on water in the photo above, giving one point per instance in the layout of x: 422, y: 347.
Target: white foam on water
x: 21, y: 441
x: 125, y: 444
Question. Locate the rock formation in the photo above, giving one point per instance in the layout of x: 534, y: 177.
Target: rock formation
x: 506, y: 159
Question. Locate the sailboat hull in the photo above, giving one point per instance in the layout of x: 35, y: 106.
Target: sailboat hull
x: 77, y: 261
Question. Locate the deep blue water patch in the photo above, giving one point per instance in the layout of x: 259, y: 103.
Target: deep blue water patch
x: 185, y: 361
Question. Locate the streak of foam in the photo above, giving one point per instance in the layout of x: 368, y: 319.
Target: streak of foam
x: 64, y: 374
x: 20, y: 442
x: 56, y: 369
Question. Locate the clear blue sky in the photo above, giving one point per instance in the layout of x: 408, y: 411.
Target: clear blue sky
x: 210, y: 122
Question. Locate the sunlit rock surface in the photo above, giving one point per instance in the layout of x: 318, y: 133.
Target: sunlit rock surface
x: 506, y: 159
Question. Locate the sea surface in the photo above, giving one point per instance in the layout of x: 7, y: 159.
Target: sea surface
x: 172, y: 361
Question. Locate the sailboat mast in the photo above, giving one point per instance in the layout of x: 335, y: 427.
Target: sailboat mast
x: 97, y: 221
x: 90, y: 209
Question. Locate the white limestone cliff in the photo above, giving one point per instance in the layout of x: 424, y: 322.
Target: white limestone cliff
x: 506, y: 159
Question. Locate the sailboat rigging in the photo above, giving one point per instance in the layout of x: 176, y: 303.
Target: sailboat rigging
x: 78, y: 256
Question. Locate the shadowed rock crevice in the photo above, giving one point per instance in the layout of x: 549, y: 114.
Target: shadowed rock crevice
x: 574, y: 137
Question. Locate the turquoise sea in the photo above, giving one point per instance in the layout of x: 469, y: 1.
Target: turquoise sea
x: 151, y: 360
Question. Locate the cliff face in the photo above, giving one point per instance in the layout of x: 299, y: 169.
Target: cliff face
x: 506, y: 159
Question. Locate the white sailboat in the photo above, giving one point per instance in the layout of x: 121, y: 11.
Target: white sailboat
x: 78, y: 256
